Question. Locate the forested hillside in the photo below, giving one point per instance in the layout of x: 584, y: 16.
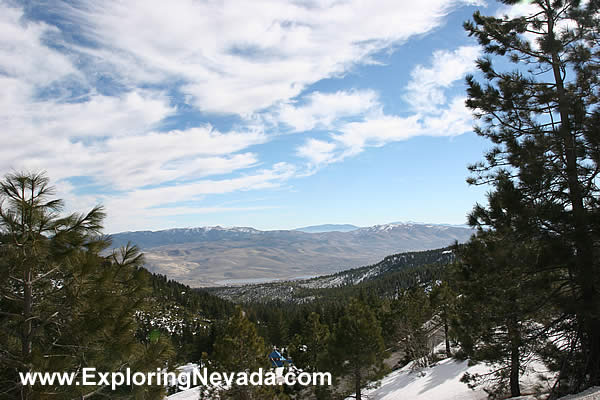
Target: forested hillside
x: 386, y: 279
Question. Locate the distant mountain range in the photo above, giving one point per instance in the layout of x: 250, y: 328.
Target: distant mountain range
x: 348, y: 227
x: 216, y: 256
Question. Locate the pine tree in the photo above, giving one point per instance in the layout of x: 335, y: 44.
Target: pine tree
x: 310, y: 346
x: 412, y: 312
x: 308, y: 350
x: 238, y: 349
x: 357, y: 345
x: 63, y: 305
x: 277, y: 329
x: 443, y: 301
x: 504, y: 300
x: 543, y: 119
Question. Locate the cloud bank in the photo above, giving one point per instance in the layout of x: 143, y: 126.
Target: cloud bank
x: 91, y: 91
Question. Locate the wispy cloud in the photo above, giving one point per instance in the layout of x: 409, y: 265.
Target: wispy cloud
x: 243, y: 56
x: 23, y: 56
x: 162, y: 201
x: 318, y: 152
x: 433, y: 114
x: 94, y: 96
x: 425, y: 91
x: 321, y: 110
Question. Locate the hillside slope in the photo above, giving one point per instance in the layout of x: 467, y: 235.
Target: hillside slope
x: 442, y: 382
x: 398, y: 271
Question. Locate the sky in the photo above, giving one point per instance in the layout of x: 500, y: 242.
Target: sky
x: 274, y: 114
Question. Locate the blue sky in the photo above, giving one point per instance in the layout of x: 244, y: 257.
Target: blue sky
x: 273, y: 114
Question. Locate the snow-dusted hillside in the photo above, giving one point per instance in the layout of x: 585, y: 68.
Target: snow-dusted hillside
x: 306, y: 290
x: 441, y: 382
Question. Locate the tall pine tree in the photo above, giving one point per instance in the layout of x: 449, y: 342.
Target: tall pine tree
x: 504, y: 307
x: 443, y: 300
x: 309, y: 350
x: 357, y: 345
x: 542, y: 117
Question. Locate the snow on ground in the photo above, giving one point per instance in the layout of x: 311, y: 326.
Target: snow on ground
x: 190, y: 394
x: 590, y: 394
x: 438, y: 382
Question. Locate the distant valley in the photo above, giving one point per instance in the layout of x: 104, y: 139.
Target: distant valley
x: 217, y: 256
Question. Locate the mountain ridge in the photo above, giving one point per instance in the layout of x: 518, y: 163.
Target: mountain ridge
x: 328, y: 228
x: 218, y: 256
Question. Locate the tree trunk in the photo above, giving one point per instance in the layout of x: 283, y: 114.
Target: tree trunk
x: 26, y: 329
x: 584, y: 271
x: 515, y: 364
x: 27, y: 305
x: 27, y: 240
x: 515, y: 358
x: 448, y: 351
x: 357, y: 379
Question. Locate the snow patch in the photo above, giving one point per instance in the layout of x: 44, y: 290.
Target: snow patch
x: 438, y: 382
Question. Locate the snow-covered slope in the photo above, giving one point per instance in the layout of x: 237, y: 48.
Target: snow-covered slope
x: 439, y: 382
x: 589, y: 394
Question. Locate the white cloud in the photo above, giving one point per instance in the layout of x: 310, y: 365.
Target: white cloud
x: 454, y: 120
x: 354, y: 137
x: 67, y: 138
x: 322, y: 109
x: 22, y: 53
x: 243, y: 56
x: 433, y: 114
x: 114, y: 141
x: 378, y: 131
x: 124, y: 162
x: 425, y: 91
x: 182, y: 143
x: 317, y: 151
x: 155, y: 202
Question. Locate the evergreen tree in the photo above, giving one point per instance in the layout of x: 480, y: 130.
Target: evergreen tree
x: 543, y: 119
x: 357, y: 345
x: 277, y: 328
x: 443, y: 301
x: 240, y: 348
x: 63, y: 306
x: 504, y: 305
x: 308, y: 350
x: 412, y: 331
